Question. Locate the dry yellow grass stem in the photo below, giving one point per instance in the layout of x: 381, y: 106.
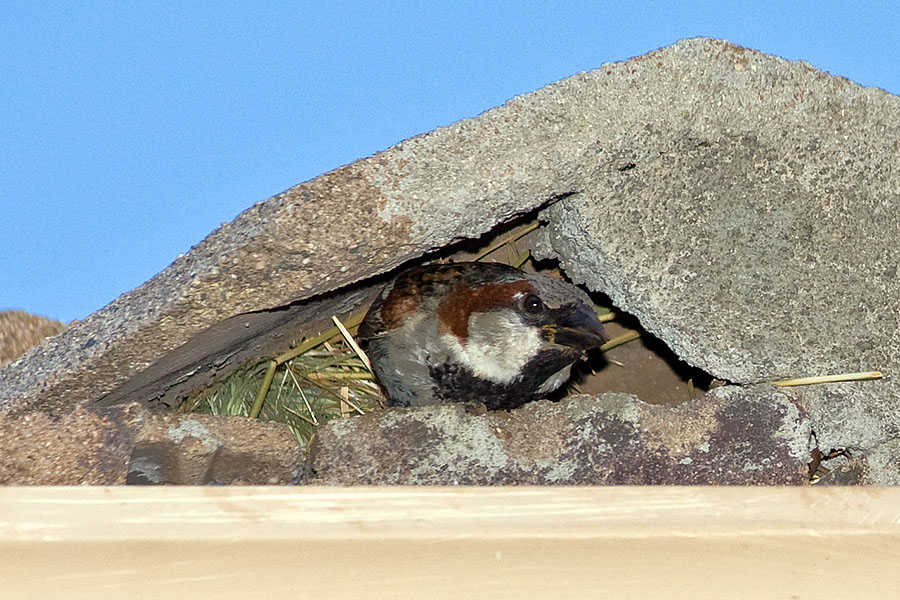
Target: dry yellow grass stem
x: 308, y: 344
x: 626, y: 337
x: 304, y: 347
x: 263, y: 389
x: 348, y: 375
x: 520, y: 260
x: 352, y: 342
x: 829, y: 379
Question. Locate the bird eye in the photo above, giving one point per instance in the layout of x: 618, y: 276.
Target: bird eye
x: 532, y: 304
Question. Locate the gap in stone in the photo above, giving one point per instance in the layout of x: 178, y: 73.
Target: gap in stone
x: 646, y: 367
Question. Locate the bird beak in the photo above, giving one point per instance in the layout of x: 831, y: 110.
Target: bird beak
x: 581, y: 329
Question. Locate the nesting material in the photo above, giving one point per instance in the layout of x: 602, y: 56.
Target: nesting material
x: 315, y: 382
x: 328, y: 376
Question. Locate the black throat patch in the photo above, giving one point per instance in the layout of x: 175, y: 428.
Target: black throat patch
x: 454, y: 383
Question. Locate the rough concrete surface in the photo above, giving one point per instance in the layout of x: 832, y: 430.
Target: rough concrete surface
x: 875, y: 466
x: 130, y: 444
x: 753, y: 227
x: 207, y: 450
x: 730, y: 436
x: 81, y: 447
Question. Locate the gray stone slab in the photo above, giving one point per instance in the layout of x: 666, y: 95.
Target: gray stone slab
x: 729, y: 436
x: 747, y: 210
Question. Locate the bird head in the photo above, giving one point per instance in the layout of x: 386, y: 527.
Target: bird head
x: 477, y: 328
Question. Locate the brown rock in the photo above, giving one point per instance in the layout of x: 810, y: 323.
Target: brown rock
x: 729, y: 436
x: 81, y: 447
x: 204, y: 449
x: 129, y: 444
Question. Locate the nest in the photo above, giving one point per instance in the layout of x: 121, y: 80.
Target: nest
x: 325, y: 377
x: 329, y: 377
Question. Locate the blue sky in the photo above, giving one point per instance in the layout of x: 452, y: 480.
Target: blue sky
x: 130, y: 130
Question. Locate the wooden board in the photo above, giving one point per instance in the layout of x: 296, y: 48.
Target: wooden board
x: 334, y: 543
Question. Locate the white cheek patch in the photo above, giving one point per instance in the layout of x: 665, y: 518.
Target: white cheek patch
x: 499, y: 346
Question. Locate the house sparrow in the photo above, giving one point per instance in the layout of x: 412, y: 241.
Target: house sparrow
x: 476, y: 331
